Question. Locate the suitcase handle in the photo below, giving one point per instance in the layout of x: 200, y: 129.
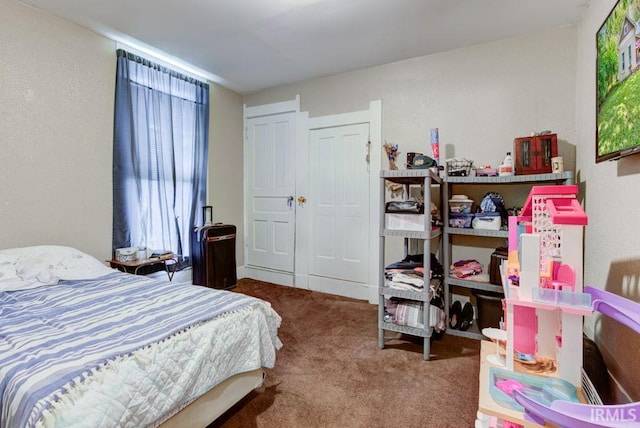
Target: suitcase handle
x: 221, y: 237
x: 207, y: 209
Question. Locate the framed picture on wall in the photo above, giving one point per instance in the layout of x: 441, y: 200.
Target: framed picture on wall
x: 618, y: 82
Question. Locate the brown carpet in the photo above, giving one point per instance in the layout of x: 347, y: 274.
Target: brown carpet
x: 331, y: 372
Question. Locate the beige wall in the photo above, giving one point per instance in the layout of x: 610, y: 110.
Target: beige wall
x: 56, y: 124
x: 225, y: 162
x: 479, y: 97
x: 612, y: 201
x: 57, y: 83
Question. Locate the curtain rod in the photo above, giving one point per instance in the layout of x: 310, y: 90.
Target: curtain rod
x: 170, y: 62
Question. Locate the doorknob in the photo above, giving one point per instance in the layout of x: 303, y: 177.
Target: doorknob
x: 302, y: 200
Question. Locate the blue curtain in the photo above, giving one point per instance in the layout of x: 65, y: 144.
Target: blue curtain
x: 161, y: 134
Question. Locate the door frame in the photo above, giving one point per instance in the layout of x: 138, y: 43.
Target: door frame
x: 292, y: 106
x: 372, y: 116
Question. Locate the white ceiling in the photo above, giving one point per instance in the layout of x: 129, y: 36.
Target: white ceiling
x: 248, y: 45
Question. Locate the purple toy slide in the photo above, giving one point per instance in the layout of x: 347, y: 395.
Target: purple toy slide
x: 576, y: 415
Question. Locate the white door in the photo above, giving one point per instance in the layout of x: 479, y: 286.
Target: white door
x: 270, y: 190
x: 347, y: 206
x: 339, y: 207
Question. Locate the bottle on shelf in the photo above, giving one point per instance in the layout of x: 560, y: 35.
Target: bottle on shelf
x: 506, y: 168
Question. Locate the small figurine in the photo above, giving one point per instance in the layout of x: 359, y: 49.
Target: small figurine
x: 392, y: 154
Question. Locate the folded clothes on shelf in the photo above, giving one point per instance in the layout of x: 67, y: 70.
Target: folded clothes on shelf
x: 413, y: 261
x: 411, y: 280
x: 465, y: 268
x: 410, y: 313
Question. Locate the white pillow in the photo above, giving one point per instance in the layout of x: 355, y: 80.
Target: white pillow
x: 27, y: 277
x: 29, y: 267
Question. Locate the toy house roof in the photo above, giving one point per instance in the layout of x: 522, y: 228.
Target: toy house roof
x: 561, y: 203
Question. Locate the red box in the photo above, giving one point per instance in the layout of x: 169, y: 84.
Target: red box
x: 533, y: 154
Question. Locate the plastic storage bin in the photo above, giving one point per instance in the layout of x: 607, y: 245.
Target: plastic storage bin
x: 460, y: 220
x: 460, y: 204
x: 409, y: 222
x: 487, y: 221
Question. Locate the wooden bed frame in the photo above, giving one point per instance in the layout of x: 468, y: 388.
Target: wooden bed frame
x: 210, y: 406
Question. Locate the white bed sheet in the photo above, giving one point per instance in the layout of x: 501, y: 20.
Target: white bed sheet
x: 152, y: 384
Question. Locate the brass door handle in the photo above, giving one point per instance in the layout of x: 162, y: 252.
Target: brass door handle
x: 301, y: 200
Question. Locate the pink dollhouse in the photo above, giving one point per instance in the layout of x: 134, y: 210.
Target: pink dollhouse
x: 544, y: 302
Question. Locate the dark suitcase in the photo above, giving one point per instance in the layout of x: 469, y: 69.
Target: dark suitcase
x: 213, y: 250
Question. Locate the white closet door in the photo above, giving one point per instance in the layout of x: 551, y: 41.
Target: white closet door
x: 339, y: 203
x: 270, y: 191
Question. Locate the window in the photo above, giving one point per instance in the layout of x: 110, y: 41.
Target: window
x: 159, y: 155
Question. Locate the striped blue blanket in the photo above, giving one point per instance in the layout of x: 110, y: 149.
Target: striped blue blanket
x: 52, y: 336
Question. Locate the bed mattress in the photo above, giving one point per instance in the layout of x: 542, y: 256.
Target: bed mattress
x: 123, y: 350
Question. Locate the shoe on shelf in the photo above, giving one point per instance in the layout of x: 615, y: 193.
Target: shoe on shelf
x: 455, y: 314
x: 466, y: 317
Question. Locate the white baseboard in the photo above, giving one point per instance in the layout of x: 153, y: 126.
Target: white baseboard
x: 347, y: 289
x: 315, y: 283
x: 276, y: 277
x: 302, y: 281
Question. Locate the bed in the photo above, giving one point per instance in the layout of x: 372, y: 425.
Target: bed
x: 85, y: 345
